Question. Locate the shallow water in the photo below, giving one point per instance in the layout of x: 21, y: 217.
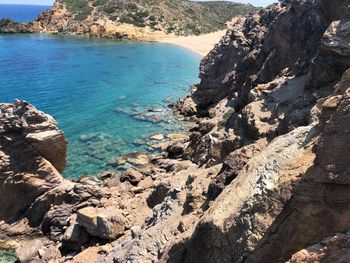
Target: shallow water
x: 99, y: 91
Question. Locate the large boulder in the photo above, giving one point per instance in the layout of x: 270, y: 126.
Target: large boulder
x: 38, y: 251
x: 29, y: 143
x: 105, y: 223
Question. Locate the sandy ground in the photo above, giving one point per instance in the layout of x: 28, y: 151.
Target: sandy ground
x: 200, y: 44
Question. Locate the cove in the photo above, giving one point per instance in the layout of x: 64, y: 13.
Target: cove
x: 107, y: 96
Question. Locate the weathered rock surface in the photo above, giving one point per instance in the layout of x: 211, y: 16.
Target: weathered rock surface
x: 9, y: 26
x: 278, y: 79
x: 35, y: 200
x: 333, y: 249
x: 30, y: 144
x: 105, y: 223
x: 263, y: 176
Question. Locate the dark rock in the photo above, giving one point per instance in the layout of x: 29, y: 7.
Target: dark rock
x: 158, y: 195
x: 175, y: 150
x: 132, y: 176
x: 74, y: 237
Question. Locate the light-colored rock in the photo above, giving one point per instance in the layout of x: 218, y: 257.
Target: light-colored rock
x: 177, y: 136
x: 157, y: 137
x: 105, y: 223
x: 132, y: 176
x: 38, y: 251
x: 331, y: 102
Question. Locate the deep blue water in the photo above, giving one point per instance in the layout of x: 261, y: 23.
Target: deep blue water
x: 21, y: 13
x: 100, y: 91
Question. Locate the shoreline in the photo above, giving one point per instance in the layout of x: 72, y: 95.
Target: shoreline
x: 200, y: 45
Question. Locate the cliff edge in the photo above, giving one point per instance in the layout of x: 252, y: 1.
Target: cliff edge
x: 262, y: 177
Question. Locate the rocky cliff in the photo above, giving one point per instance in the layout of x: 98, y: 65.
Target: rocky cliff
x: 262, y: 177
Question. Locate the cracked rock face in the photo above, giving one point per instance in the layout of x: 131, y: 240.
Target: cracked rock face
x: 262, y: 177
x: 266, y: 209
x: 30, y: 142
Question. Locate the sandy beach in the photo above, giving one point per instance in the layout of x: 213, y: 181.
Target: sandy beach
x: 200, y: 44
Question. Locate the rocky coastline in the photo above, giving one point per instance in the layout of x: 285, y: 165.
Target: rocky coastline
x: 262, y: 177
x: 127, y: 20
x: 58, y: 20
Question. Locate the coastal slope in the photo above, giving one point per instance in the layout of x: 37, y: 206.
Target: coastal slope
x: 261, y: 177
x: 133, y: 20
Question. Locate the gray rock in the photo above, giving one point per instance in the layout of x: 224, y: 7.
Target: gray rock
x: 74, y: 237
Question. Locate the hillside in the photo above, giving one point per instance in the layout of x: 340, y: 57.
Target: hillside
x: 138, y: 20
x: 172, y: 16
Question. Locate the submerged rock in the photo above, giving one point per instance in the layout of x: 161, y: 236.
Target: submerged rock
x: 157, y: 137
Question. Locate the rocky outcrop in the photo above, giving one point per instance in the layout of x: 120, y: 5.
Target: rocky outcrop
x: 9, y: 26
x: 35, y: 200
x: 105, y: 223
x: 331, y: 249
x: 30, y: 142
x: 321, y: 198
x: 132, y: 20
x: 279, y: 84
x: 261, y: 178
x: 48, y: 218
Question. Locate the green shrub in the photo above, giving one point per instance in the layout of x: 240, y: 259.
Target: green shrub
x: 99, y: 2
x: 152, y: 18
x: 126, y: 19
x: 108, y: 9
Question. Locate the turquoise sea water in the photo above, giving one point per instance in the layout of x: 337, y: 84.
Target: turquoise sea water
x: 21, y: 13
x: 101, y: 92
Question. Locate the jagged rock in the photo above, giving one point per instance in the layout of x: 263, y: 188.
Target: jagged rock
x: 175, y: 150
x: 273, y: 99
x: 323, y: 191
x: 233, y: 164
x: 271, y: 145
x: 260, y: 185
x: 10, y: 26
x: 38, y: 251
x: 132, y: 176
x: 331, y: 102
x: 22, y: 157
x: 333, y: 249
x: 176, y: 166
x: 74, y: 237
x: 35, y: 200
x: 158, y: 195
x: 333, y: 56
x: 105, y: 223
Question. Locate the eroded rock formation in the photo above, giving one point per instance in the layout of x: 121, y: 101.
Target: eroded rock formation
x: 263, y: 176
